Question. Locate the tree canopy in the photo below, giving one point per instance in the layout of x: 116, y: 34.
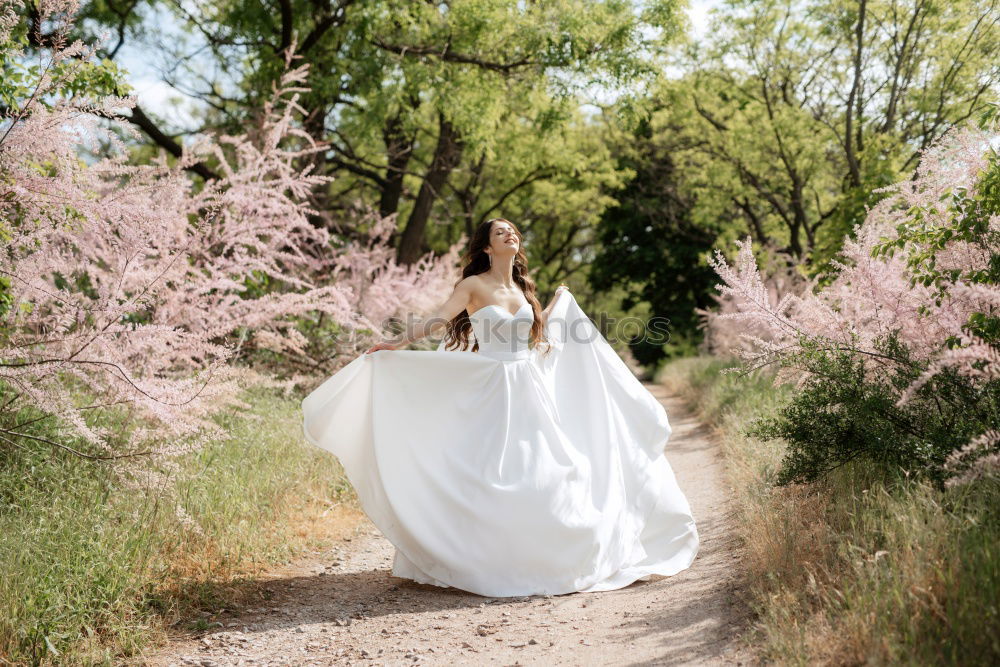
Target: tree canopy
x: 624, y: 150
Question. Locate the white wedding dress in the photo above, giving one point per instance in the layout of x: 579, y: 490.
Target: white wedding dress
x: 508, y: 471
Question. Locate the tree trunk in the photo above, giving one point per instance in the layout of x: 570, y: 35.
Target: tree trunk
x: 446, y: 157
x: 398, y: 149
x: 854, y: 100
x: 470, y: 196
x: 315, y: 124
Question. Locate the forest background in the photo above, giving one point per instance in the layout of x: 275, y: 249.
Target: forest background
x: 208, y: 207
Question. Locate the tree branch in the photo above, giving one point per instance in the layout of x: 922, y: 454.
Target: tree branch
x: 448, y: 55
x: 141, y: 120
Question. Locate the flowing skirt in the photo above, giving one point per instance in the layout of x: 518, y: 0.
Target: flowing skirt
x: 543, y: 474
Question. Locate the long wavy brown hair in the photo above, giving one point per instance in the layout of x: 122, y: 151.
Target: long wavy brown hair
x: 477, y: 261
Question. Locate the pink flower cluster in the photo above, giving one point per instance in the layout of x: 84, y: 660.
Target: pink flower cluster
x: 877, y: 294
x: 125, y: 287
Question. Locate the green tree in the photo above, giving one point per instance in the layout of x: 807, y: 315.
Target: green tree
x: 795, y: 112
x: 428, y: 107
x: 651, y: 250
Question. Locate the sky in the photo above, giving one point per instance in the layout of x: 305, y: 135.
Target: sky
x: 698, y: 13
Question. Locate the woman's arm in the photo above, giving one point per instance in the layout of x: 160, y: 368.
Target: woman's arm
x: 456, y: 303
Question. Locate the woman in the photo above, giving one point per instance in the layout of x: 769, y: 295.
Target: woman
x: 531, y: 463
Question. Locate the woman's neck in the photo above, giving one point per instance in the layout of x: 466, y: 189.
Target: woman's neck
x: 502, y: 271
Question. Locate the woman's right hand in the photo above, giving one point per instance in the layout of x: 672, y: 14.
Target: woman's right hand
x: 380, y: 346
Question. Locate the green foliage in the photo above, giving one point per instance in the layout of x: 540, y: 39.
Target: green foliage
x: 508, y: 81
x: 6, y: 300
x: 650, y: 247
x: 848, y: 410
x: 87, y: 78
x: 91, y: 570
x: 769, y: 148
x: 865, y: 570
x: 879, y: 166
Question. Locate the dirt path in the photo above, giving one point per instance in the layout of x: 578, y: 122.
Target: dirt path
x: 343, y: 606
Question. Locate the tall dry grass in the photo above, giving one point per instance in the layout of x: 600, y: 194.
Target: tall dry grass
x: 867, y: 566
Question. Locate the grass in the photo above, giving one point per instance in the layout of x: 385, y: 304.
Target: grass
x: 93, y: 574
x: 862, y: 567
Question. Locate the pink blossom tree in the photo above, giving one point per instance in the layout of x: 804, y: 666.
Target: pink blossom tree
x: 124, y: 288
x: 914, y: 302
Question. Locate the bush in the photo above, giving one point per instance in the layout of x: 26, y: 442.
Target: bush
x: 848, y: 408
x: 897, y: 353
x: 853, y: 568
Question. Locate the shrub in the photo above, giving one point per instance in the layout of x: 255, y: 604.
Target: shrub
x: 897, y: 355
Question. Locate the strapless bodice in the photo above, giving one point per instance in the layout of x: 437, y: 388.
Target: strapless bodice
x: 501, y: 335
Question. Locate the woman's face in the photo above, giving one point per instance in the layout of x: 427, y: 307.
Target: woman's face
x: 504, y: 240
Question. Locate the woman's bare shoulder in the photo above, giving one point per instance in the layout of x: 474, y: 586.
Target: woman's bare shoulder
x: 473, y: 289
x: 470, y: 284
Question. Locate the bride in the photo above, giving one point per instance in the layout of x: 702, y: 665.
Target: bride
x: 530, y: 462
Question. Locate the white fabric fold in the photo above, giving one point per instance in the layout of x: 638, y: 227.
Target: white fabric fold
x: 508, y: 471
